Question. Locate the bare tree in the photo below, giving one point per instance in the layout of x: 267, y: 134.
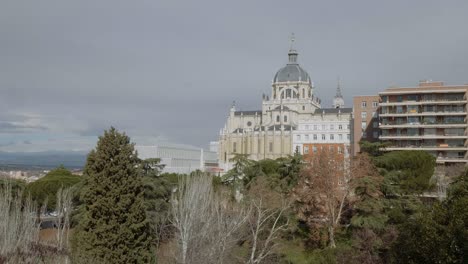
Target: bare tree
x: 206, y: 225
x: 322, y: 192
x: 19, y: 227
x: 62, y: 222
x: 266, y: 226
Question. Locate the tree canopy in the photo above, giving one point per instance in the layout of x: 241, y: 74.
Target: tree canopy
x: 44, y: 190
x: 114, y: 227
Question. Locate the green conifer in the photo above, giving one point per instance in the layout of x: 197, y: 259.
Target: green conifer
x: 114, y: 226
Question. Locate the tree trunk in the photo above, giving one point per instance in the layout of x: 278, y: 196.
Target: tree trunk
x: 331, y: 236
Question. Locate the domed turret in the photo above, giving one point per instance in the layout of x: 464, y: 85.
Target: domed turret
x: 292, y: 72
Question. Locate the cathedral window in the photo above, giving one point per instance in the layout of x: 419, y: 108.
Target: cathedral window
x: 288, y: 93
x: 234, y: 147
x: 303, y: 107
x: 277, y: 118
x: 249, y: 123
x: 285, y: 118
x: 270, y: 147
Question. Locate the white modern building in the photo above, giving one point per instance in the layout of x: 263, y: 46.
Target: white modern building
x: 330, y: 127
x: 180, y: 159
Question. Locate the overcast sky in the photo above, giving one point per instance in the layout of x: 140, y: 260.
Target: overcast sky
x: 169, y: 70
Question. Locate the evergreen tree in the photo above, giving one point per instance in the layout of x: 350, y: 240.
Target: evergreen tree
x: 369, y: 205
x: 114, y: 227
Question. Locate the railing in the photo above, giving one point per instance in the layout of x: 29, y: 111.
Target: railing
x: 426, y: 100
x: 424, y: 123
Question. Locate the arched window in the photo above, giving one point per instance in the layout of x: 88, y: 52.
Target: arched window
x: 277, y: 118
x: 303, y: 107
x: 285, y: 118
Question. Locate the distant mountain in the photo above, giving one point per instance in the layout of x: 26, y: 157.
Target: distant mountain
x: 47, y: 159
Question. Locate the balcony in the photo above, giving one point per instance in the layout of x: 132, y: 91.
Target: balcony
x: 457, y: 101
x: 447, y: 124
x: 420, y: 137
x: 423, y: 113
x: 453, y: 159
x: 427, y: 148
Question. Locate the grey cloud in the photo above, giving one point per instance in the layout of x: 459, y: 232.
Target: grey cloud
x: 7, y: 127
x: 172, y: 68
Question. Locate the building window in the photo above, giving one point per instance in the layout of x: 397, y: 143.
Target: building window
x: 270, y: 147
x: 347, y: 127
x: 277, y: 118
x: 298, y: 137
x: 332, y: 137
x: 332, y: 127
x: 340, y: 127
x: 363, y: 115
x: 314, y: 149
x: 331, y: 149
x: 348, y: 136
x: 323, y: 137
x: 376, y: 134
x: 375, y: 104
x: 324, y: 127
x: 375, y: 124
x: 374, y: 114
x: 303, y: 107
x: 315, y: 127
x: 363, y: 124
x: 285, y: 118
x: 234, y: 147
x: 363, y: 104
x: 249, y: 123
x: 306, y: 137
x: 340, y: 150
x: 364, y: 135
x: 315, y: 136
x: 340, y: 137
x: 298, y: 149
x: 306, y: 149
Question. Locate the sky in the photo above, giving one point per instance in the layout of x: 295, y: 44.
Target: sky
x: 168, y: 71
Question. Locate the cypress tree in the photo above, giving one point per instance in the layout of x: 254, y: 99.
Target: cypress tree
x: 113, y: 227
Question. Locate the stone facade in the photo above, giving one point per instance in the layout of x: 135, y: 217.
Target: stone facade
x: 267, y: 133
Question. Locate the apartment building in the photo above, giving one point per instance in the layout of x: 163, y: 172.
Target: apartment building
x: 431, y: 117
x: 365, y: 120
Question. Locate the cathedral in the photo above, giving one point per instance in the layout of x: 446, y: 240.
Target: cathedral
x: 267, y: 133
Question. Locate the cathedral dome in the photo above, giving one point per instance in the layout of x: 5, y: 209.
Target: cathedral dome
x: 292, y: 72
